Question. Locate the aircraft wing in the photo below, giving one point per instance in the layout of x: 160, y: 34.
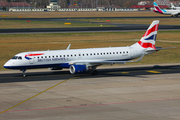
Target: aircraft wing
x: 175, y: 13
x: 99, y: 62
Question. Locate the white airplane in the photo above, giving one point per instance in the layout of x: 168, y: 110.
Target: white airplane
x: 174, y: 8
x: 82, y: 60
x: 157, y: 9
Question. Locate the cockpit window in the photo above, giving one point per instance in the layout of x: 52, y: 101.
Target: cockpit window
x: 20, y: 58
x: 17, y: 57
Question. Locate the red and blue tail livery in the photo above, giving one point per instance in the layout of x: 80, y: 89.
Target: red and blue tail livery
x: 149, y: 38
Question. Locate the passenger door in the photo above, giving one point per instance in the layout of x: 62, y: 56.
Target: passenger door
x: 31, y: 60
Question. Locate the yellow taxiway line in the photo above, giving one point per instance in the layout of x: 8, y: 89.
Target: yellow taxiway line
x: 37, y: 95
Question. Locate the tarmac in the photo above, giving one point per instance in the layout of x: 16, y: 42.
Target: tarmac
x: 138, y: 92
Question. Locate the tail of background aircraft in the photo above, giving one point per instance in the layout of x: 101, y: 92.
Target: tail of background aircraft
x: 157, y: 8
x: 172, y: 6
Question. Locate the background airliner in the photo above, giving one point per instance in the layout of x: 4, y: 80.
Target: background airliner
x: 82, y: 60
x: 174, y: 8
x: 172, y: 12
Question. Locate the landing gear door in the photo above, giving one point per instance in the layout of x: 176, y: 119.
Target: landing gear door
x: 131, y: 52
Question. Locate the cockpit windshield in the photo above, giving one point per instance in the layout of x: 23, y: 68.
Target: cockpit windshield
x: 17, y: 57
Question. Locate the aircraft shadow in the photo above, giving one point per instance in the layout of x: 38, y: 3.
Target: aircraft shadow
x: 110, y: 72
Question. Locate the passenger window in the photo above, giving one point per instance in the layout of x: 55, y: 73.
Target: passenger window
x: 127, y: 52
x: 64, y: 56
x: 116, y: 52
x: 56, y: 55
x: 97, y: 53
x: 45, y: 56
x: 71, y: 55
x: 67, y: 55
x: 41, y: 56
x: 120, y: 52
x: 87, y: 54
x: 49, y: 56
x: 60, y: 55
x: 113, y: 52
x: 94, y: 53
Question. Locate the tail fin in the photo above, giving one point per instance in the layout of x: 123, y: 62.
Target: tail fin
x: 172, y: 5
x: 157, y: 8
x: 149, y: 38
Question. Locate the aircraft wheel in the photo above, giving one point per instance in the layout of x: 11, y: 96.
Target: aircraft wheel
x: 176, y: 15
x: 95, y: 72
x: 172, y: 16
x: 24, y: 75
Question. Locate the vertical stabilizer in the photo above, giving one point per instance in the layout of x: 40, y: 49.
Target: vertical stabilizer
x: 157, y: 8
x: 147, y: 42
x: 172, y: 6
x: 149, y: 38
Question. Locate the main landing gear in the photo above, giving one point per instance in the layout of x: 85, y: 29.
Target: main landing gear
x: 174, y: 15
x: 93, y: 70
x: 23, y: 73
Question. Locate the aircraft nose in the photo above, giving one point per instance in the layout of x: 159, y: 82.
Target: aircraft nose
x: 8, y: 64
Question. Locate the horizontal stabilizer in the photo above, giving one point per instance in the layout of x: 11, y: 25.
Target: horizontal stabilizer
x: 158, y: 48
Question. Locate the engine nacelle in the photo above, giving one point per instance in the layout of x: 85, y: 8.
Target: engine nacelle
x: 56, y: 68
x: 77, y: 69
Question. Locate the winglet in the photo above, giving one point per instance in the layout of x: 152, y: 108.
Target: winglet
x: 68, y: 47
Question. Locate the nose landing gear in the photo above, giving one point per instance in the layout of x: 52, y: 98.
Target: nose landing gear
x: 23, y: 73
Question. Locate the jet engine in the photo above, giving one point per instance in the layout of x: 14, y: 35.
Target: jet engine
x: 77, y: 69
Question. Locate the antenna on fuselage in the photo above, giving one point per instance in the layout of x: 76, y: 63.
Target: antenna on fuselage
x: 68, y: 47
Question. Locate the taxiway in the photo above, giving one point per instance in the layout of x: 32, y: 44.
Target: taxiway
x: 140, y: 92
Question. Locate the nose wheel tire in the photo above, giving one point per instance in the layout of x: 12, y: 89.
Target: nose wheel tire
x: 23, y: 73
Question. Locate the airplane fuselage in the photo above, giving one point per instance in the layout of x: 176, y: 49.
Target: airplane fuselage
x: 64, y: 58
